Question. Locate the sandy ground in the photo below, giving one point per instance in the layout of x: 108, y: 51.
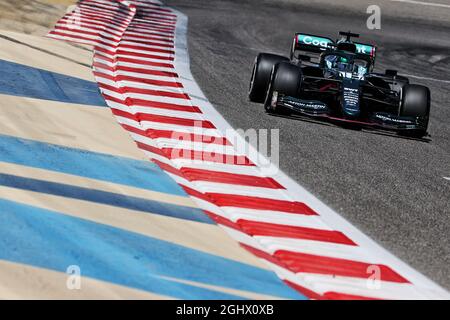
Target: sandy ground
x: 31, y: 16
x: 22, y: 24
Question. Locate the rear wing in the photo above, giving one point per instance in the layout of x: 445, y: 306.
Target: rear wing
x: 311, y: 46
x: 366, y: 49
x: 308, y: 43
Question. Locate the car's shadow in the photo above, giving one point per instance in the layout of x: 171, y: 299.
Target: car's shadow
x: 330, y: 123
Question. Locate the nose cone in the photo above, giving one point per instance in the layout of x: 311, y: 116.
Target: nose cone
x: 351, y: 98
x: 351, y: 112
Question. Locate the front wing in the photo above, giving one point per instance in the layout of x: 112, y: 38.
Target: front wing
x: 319, y: 109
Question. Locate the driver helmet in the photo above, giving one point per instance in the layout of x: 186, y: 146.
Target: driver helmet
x: 342, y: 63
x: 336, y: 62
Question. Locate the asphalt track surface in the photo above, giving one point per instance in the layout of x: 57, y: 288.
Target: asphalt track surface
x: 392, y: 188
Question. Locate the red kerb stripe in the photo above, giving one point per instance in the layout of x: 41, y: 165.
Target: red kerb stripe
x: 231, y: 200
x: 255, y: 228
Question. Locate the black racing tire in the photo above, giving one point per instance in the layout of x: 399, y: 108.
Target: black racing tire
x: 286, y: 79
x: 262, y: 69
x: 416, y: 103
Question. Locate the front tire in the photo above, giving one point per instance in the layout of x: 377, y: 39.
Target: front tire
x: 416, y: 103
x: 262, y: 69
x: 286, y: 79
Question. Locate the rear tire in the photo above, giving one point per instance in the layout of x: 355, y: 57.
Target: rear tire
x: 262, y: 69
x: 416, y: 103
x: 286, y: 79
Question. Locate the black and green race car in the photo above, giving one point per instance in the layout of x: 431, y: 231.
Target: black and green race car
x: 335, y: 80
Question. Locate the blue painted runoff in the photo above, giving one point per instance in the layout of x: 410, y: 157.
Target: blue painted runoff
x: 103, y: 197
x: 47, y: 239
x: 100, y: 166
x: 25, y: 81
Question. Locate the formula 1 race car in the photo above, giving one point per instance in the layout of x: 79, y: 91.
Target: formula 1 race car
x: 335, y: 80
